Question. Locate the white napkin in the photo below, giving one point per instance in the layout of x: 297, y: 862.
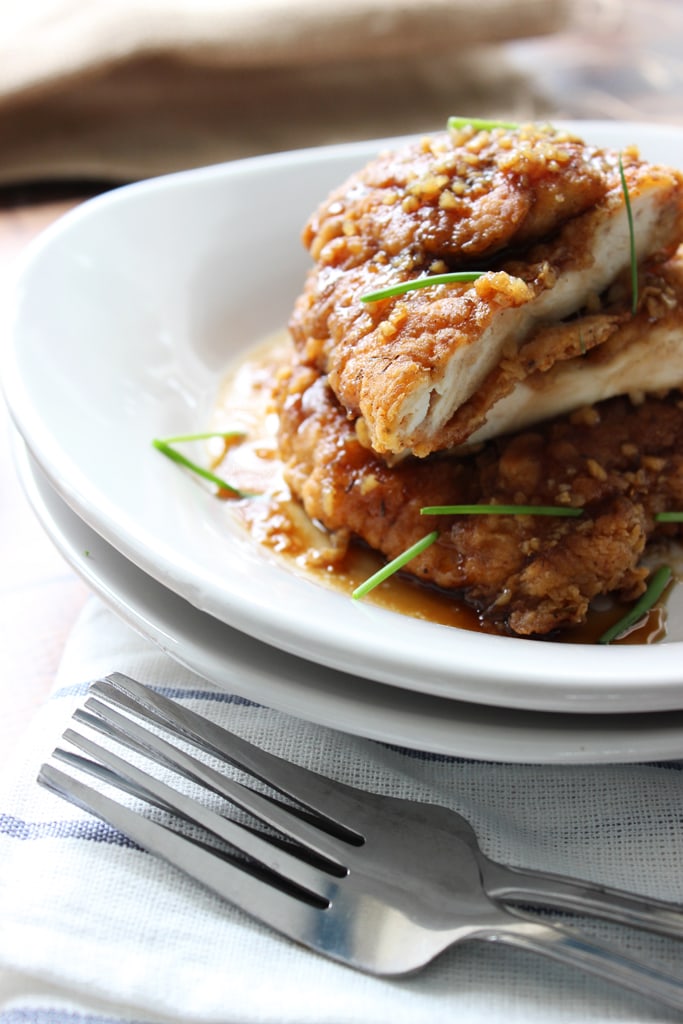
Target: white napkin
x: 92, y: 929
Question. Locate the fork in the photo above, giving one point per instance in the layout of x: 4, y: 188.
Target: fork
x: 379, y: 883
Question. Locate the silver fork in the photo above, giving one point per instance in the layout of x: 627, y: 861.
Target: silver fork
x: 381, y: 884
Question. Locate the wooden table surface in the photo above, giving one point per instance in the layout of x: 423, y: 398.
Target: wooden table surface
x: 630, y: 69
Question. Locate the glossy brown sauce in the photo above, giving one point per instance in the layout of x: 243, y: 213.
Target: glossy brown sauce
x: 277, y: 521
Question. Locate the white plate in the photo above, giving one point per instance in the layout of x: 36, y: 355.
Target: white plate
x: 235, y: 662
x: 126, y: 314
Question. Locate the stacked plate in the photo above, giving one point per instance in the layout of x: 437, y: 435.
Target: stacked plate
x: 125, y: 316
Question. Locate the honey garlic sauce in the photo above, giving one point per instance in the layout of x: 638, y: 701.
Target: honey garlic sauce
x: 275, y: 519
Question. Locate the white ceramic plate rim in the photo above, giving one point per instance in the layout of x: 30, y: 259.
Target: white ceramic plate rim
x: 239, y: 664
x: 282, y: 609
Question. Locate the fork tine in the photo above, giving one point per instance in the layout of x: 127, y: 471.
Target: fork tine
x: 106, y: 775
x: 290, y: 868
x: 264, y: 808
x: 344, y: 809
x: 231, y: 881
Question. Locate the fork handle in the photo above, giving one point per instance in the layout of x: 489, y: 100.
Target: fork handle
x: 508, y: 884
x: 571, y: 947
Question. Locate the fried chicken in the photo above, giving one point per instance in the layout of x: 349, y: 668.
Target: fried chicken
x: 622, y: 463
x: 539, y: 212
x: 586, y: 360
x: 550, y: 379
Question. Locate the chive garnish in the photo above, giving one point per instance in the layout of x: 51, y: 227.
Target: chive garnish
x: 182, y: 460
x: 394, y: 565
x: 479, y: 124
x: 669, y: 517
x: 165, y: 447
x: 226, y: 435
x: 423, y: 282
x: 501, y: 510
x: 659, y: 581
x: 632, y: 238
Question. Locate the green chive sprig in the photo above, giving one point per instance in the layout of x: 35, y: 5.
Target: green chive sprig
x: 479, y: 124
x: 656, y: 587
x: 225, y: 435
x: 454, y: 123
x: 165, y: 446
x: 669, y: 517
x: 500, y: 510
x: 455, y: 277
x: 394, y: 565
x: 632, y: 238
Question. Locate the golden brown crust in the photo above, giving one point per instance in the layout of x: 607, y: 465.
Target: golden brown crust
x: 621, y: 463
x: 531, y: 207
x: 461, y: 196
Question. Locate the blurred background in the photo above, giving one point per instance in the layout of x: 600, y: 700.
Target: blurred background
x: 112, y: 90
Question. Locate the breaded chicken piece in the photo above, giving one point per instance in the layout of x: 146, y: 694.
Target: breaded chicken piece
x: 540, y: 213
x: 584, y: 361
x: 531, y: 575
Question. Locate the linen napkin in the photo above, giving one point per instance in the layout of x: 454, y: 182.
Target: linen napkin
x: 119, y: 89
x: 94, y: 930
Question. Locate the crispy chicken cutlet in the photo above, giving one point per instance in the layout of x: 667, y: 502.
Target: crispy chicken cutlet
x: 554, y: 377
x: 621, y: 463
x: 541, y: 215
x: 564, y: 365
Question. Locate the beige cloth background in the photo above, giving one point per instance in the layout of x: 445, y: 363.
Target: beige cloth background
x: 119, y: 89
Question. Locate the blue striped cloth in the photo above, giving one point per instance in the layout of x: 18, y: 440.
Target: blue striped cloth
x: 95, y: 931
